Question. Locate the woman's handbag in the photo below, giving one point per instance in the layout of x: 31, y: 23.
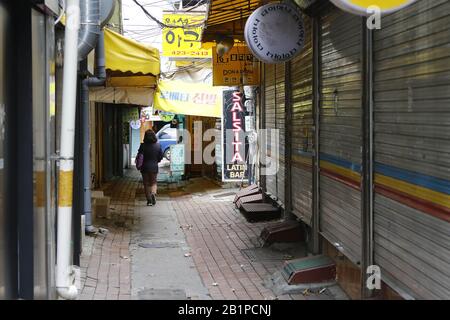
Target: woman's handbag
x: 139, y: 161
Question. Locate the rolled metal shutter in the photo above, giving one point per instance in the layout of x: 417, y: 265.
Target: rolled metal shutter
x: 412, y: 150
x: 280, y: 125
x: 270, y: 115
x: 302, y: 125
x: 340, y: 131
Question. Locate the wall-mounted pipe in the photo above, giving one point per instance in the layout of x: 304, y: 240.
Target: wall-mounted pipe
x: 99, y: 80
x: 65, y: 272
x: 94, y: 15
x: 89, y: 27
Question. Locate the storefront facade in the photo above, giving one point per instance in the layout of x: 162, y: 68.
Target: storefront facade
x: 363, y: 155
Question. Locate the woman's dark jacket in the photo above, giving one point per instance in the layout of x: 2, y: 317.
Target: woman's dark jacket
x: 152, y: 156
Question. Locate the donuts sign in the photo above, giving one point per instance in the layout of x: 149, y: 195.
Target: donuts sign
x: 366, y: 7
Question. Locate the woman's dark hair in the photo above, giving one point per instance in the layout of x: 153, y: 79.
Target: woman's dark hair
x: 150, y: 136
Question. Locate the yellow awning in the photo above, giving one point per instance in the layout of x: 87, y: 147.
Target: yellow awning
x: 117, y: 95
x: 131, y: 81
x: 128, y: 56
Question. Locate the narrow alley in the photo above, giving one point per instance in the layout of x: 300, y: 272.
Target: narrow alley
x: 236, y: 150
x: 193, y: 244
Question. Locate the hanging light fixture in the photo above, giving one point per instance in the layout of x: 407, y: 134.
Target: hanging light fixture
x: 224, y: 45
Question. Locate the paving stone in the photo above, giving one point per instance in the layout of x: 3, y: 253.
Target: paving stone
x: 223, y: 246
x: 107, y: 272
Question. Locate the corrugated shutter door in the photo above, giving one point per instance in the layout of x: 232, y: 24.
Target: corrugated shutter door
x: 412, y: 150
x: 270, y: 109
x: 340, y: 131
x: 302, y: 134
x: 280, y: 125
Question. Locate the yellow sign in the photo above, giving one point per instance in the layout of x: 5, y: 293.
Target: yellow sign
x: 196, y: 99
x: 237, y: 67
x: 183, y: 37
x: 361, y: 6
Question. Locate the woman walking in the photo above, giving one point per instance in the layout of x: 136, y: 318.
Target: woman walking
x: 152, y: 155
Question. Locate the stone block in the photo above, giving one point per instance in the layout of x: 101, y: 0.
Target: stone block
x: 101, y: 208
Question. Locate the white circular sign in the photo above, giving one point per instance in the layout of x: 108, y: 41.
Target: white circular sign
x: 362, y: 7
x: 135, y: 124
x: 275, y: 32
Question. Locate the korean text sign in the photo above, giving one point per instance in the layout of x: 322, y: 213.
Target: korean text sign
x: 187, y: 98
x: 237, y: 67
x: 183, y: 38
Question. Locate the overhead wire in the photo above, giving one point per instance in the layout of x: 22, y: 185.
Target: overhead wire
x: 164, y: 25
x: 200, y: 3
x: 150, y: 33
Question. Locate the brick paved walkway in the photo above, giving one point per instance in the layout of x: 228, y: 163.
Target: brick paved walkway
x: 221, y: 240
x: 217, y: 234
x: 105, y: 261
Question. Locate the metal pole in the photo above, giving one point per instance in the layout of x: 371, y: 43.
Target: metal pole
x: 276, y: 127
x: 316, y: 116
x: 367, y: 158
x: 86, y: 137
x: 262, y: 106
x: 288, y: 142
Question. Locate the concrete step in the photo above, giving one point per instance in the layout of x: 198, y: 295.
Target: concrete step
x: 254, y: 212
x: 250, y: 190
x: 286, y: 232
x: 316, y: 269
x: 255, y: 198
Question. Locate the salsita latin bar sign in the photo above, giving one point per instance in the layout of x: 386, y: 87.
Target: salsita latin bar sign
x: 234, y: 164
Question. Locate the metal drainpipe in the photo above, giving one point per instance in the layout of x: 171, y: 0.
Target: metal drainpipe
x: 89, y: 27
x: 89, y: 38
x: 97, y: 81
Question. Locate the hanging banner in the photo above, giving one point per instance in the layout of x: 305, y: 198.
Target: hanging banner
x: 234, y: 145
x: 196, y: 99
x: 275, y: 32
x: 183, y: 40
x: 362, y: 7
x: 237, y: 67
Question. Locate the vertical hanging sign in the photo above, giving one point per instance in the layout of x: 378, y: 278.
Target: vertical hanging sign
x: 235, y: 147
